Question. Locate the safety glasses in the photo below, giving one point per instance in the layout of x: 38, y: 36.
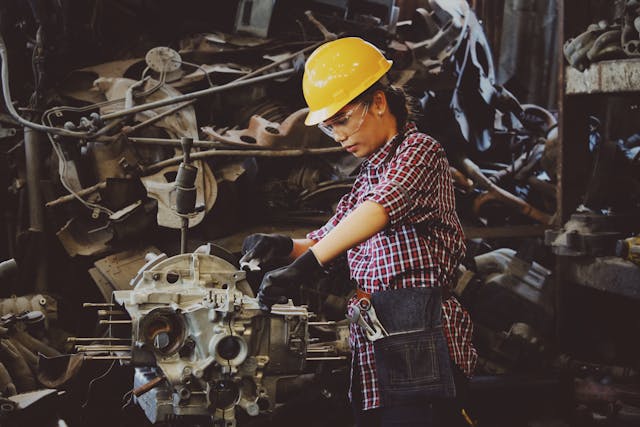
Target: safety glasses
x: 344, y: 124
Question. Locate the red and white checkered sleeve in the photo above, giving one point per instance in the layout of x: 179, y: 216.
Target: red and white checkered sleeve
x: 409, y: 185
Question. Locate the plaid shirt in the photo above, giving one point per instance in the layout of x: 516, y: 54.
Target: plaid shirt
x: 421, y: 246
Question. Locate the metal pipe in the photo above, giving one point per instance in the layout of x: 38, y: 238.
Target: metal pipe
x: 148, y: 386
x: 115, y: 322
x: 495, y: 192
x: 281, y: 61
x: 103, y: 313
x: 250, y: 153
x: 319, y: 359
x: 79, y: 339
x: 83, y: 348
x: 158, y: 117
x: 106, y: 357
x: 197, y: 94
x: 33, y: 161
x: 71, y: 197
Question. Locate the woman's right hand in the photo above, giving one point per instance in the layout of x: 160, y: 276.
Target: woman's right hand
x: 265, y: 251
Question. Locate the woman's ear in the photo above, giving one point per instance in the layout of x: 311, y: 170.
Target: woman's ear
x: 379, y: 103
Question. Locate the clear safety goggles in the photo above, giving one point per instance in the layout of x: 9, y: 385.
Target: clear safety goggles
x: 345, y: 123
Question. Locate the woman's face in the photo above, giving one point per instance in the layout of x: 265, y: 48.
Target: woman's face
x: 362, y: 128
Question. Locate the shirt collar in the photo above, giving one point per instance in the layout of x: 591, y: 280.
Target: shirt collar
x: 383, y: 153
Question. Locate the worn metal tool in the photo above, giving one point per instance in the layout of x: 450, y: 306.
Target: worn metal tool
x: 372, y: 328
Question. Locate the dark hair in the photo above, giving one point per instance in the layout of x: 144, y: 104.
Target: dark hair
x: 401, y: 105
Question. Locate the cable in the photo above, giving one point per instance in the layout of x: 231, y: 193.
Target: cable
x: 4, y: 76
x: 86, y: 402
x: 127, y: 398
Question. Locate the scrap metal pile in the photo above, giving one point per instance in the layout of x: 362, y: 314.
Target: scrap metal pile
x: 122, y: 131
x: 605, y: 40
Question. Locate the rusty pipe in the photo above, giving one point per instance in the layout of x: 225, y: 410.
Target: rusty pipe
x: 144, y: 388
x: 493, y: 192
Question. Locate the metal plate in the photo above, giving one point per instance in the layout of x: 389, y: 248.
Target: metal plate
x: 163, y: 58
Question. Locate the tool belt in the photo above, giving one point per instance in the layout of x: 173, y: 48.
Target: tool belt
x: 445, y: 292
x: 412, y: 358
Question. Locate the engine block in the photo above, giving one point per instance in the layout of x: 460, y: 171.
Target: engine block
x: 201, y: 346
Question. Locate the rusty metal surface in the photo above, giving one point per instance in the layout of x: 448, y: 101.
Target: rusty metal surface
x: 604, y: 77
x: 609, y: 274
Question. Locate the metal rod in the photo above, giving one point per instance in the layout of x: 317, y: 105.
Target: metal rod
x: 107, y: 357
x: 83, y: 339
x: 70, y: 197
x: 83, y: 348
x: 158, y: 117
x: 281, y: 61
x: 320, y: 350
x: 183, y: 235
x: 328, y: 323
x: 220, y: 141
x: 102, y: 313
x: 97, y: 304
x: 115, y: 322
x: 137, y: 392
x: 328, y: 358
x: 250, y: 153
x: 197, y: 94
x: 33, y: 161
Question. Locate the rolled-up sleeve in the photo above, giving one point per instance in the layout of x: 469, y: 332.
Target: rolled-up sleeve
x: 410, y: 184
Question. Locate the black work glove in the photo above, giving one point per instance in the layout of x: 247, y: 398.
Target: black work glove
x: 279, y: 284
x: 265, y: 250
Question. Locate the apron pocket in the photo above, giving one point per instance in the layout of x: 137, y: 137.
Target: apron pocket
x: 413, y: 367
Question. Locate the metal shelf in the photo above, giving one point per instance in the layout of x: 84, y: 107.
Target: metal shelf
x: 616, y: 76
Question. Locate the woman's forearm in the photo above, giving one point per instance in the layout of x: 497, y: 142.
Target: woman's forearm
x: 363, y: 222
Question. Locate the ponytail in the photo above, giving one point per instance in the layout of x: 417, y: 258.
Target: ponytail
x: 401, y: 105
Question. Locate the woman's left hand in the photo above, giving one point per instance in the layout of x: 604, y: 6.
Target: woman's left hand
x: 279, y: 284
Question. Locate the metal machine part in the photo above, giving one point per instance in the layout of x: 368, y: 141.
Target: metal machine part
x: 201, y: 341
x: 528, y: 280
x: 441, y: 26
x: 47, y: 305
x: 163, y: 59
x: 589, y: 234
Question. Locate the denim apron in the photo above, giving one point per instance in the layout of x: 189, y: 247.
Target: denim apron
x: 412, y: 362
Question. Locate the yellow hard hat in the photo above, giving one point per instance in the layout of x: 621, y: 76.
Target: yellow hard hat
x: 337, y: 72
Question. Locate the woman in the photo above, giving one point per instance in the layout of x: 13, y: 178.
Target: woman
x: 401, y: 233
